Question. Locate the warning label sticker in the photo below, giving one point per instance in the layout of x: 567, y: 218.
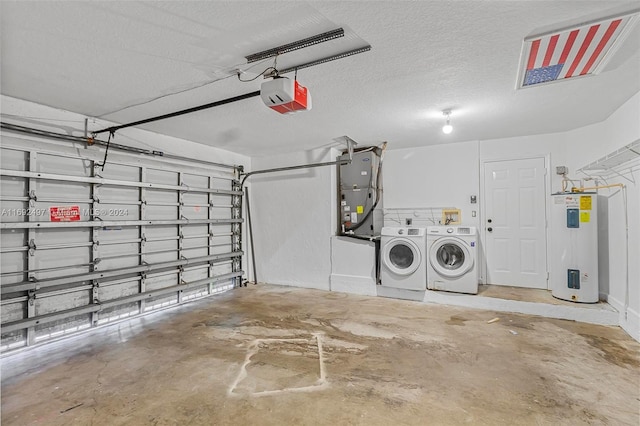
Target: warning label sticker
x: 360, y: 209
x: 585, y: 202
x: 585, y: 217
x: 64, y: 214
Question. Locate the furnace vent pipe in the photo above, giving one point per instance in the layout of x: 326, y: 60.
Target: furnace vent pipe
x: 275, y: 170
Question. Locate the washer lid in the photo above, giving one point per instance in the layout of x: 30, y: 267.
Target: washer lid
x: 401, y: 256
x: 450, y: 257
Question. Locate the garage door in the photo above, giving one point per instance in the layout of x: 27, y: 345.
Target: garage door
x: 84, y: 246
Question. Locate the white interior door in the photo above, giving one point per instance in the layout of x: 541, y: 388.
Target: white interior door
x: 515, y: 222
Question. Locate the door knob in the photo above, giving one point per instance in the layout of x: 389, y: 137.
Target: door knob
x: 489, y: 220
x: 489, y: 229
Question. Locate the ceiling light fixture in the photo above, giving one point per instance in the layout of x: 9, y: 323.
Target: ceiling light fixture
x: 447, y: 128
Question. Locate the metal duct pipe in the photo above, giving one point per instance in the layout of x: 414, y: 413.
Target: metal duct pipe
x: 275, y: 170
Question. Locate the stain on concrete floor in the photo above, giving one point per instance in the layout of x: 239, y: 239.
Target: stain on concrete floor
x: 385, y: 362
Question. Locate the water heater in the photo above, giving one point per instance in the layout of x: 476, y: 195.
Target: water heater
x: 573, y: 260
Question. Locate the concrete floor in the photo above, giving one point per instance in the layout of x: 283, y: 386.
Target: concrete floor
x: 272, y: 355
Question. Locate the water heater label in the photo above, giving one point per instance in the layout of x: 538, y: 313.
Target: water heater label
x: 585, y: 217
x: 585, y: 202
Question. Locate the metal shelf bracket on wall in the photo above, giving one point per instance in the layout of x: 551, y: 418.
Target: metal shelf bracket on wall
x: 620, y: 162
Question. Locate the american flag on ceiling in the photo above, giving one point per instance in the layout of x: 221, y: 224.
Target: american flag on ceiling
x: 569, y: 53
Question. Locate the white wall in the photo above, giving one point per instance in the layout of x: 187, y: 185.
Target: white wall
x: 585, y: 146
x: 433, y: 176
x: 551, y: 146
x: 293, y: 218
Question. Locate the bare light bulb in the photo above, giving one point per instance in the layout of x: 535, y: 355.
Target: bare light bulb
x: 447, y: 128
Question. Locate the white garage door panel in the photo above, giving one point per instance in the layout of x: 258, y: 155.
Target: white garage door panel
x: 222, y: 268
x: 192, y: 243
x: 195, y: 231
x: 109, y: 291
x: 116, y: 211
x: 220, y: 214
x: 161, y: 232
x: 117, y: 313
x: 120, y: 172
x: 154, y: 303
x: 195, y: 213
x: 61, y: 328
x: 12, y: 264
x: 16, y: 211
x: 196, y: 273
x: 122, y: 249
x: 52, y: 237
x: 161, y: 212
x: 12, y: 186
x: 12, y: 238
x: 155, y: 282
x: 220, y: 201
x: 113, y: 235
x: 62, y: 262
x: 161, y: 251
x: 49, y: 304
x: 63, y: 192
x: 192, y: 180
x: 12, y: 159
x: 14, y: 311
x: 162, y: 176
x: 121, y: 194
x: 113, y: 256
x: 88, y: 273
x: 200, y: 199
x: 62, y: 165
x: 195, y: 252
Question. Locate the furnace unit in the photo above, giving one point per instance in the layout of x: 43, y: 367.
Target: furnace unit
x: 574, y: 247
x: 360, y: 193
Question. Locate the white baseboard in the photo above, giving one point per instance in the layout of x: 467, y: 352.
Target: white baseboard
x: 629, y: 322
x: 354, y: 284
x: 603, y: 315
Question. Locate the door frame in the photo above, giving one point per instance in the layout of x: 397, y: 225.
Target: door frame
x: 482, y: 230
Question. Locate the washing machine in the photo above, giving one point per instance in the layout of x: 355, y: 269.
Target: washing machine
x: 403, y: 261
x: 452, y: 261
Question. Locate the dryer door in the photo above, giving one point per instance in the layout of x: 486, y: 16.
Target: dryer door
x: 401, y: 256
x: 450, y: 257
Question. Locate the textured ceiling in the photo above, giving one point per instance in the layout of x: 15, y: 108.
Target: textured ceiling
x: 126, y: 61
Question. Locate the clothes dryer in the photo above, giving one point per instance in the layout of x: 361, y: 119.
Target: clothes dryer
x: 452, y: 260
